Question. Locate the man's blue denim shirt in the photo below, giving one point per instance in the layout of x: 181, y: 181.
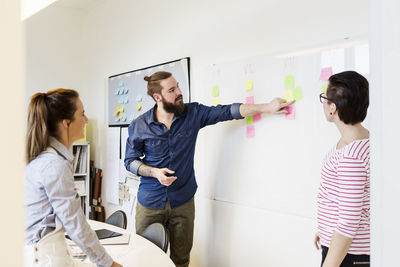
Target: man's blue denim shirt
x: 151, y: 143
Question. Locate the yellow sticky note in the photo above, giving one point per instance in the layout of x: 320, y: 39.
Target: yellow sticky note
x: 323, y: 88
x: 288, y: 95
x: 121, y: 115
x: 116, y: 111
x: 248, y: 85
x: 297, y: 93
x: 139, y: 106
x: 215, y: 91
x: 121, y: 108
x: 289, y: 81
x: 216, y: 101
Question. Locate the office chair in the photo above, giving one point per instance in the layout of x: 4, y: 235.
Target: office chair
x: 118, y: 219
x: 157, y: 233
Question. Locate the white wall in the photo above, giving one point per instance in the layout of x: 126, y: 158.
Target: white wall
x: 385, y: 146
x: 11, y: 134
x: 123, y: 35
x: 54, y: 50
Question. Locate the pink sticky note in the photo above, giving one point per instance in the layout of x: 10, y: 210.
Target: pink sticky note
x: 250, y: 100
x: 291, y: 112
x: 325, y: 73
x: 250, y: 131
x: 256, y: 117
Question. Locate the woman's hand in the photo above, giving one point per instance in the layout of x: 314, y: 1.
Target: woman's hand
x: 316, y: 241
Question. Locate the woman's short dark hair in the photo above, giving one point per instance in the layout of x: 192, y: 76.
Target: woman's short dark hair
x: 350, y: 92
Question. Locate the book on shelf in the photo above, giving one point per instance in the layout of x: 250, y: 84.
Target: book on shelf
x: 97, y: 186
x: 80, y: 160
x: 92, y: 175
x: 83, y: 204
x: 76, y: 158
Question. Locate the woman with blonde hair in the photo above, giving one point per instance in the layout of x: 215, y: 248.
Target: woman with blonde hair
x: 55, y: 120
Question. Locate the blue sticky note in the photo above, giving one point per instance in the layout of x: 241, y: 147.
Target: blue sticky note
x: 131, y: 117
x: 139, y: 98
x: 116, y: 119
x: 121, y: 82
x: 126, y: 100
x: 116, y: 91
x: 126, y: 90
x: 121, y: 100
x: 124, y: 118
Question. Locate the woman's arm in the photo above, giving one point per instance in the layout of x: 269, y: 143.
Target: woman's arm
x: 338, y: 248
x: 58, y: 182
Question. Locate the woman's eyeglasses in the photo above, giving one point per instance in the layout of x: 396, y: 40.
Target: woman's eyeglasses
x: 322, y: 97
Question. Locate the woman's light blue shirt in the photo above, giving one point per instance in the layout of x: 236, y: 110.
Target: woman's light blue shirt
x: 50, y: 192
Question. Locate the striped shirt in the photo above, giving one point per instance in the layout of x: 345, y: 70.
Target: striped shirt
x: 343, y: 196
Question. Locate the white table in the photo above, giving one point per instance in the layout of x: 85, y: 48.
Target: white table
x: 139, y: 251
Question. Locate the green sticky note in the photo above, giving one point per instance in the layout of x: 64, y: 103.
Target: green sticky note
x: 289, y: 81
x: 249, y: 120
x: 323, y: 88
x: 215, y: 91
x: 297, y: 93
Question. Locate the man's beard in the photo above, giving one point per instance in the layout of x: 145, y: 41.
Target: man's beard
x: 176, y: 108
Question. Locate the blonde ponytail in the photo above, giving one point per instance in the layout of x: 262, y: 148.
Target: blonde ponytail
x: 45, y: 111
x: 37, y: 136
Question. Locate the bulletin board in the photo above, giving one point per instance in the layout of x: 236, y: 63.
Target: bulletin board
x: 127, y: 92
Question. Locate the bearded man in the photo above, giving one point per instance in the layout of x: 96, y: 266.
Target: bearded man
x: 160, y: 149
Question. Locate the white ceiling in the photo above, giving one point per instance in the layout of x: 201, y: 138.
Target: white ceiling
x: 78, y: 4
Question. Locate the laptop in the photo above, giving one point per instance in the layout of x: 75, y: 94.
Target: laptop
x: 107, y: 237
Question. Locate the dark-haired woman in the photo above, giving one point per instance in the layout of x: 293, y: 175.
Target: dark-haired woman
x: 55, y: 120
x: 344, y: 191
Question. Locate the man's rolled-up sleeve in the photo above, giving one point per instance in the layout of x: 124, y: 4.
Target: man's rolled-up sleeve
x: 235, y: 111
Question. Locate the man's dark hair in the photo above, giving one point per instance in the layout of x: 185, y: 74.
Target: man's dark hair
x: 153, y: 82
x: 350, y: 92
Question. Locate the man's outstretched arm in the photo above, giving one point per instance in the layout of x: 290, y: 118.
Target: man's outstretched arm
x: 276, y: 106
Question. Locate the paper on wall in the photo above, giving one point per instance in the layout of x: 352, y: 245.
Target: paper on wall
x: 111, y: 170
x: 333, y: 58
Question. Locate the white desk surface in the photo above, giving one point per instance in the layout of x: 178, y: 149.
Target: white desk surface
x: 139, y: 251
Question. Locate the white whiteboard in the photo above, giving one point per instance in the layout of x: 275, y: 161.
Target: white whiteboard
x: 278, y: 169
